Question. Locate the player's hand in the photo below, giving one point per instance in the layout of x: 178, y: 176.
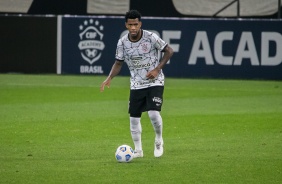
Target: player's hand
x: 107, y: 83
x: 152, y: 74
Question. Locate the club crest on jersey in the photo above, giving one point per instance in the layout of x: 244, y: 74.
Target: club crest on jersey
x: 91, y: 44
x: 144, y: 47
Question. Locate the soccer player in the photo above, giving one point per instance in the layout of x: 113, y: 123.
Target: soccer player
x: 139, y: 49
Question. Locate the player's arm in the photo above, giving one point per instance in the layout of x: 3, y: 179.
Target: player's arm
x: 168, y: 52
x: 114, y: 71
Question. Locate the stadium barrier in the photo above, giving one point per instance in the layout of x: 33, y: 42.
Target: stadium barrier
x: 203, y: 48
x: 28, y: 44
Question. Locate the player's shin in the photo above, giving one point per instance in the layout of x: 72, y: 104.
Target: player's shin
x: 157, y: 123
x: 136, y: 130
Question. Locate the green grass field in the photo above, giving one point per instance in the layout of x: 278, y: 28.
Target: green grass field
x: 61, y: 129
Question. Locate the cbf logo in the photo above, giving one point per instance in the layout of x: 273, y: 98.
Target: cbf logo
x: 91, y: 44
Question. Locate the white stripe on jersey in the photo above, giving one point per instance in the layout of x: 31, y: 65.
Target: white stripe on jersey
x: 141, y: 57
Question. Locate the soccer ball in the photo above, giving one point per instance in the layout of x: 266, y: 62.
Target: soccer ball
x: 124, y: 153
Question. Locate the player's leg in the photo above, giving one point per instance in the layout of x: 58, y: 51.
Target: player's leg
x: 157, y: 123
x: 136, y: 106
x: 154, y: 104
x: 136, y: 131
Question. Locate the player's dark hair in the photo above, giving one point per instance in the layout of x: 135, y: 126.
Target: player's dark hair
x: 132, y: 14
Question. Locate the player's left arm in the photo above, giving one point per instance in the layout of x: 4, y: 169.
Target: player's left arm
x: 168, y: 52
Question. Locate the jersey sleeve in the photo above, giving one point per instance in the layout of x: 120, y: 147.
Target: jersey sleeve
x: 119, y: 51
x: 159, y: 43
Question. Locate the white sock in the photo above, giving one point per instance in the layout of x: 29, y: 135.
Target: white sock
x: 157, y: 123
x: 136, y: 130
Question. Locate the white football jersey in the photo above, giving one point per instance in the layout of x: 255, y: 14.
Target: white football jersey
x: 141, y: 57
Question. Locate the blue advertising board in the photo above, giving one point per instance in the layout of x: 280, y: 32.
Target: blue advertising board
x: 203, y: 48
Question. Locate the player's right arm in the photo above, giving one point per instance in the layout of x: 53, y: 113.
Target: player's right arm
x: 114, y: 71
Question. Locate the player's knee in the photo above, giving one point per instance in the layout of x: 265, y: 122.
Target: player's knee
x: 154, y: 116
x: 135, y: 126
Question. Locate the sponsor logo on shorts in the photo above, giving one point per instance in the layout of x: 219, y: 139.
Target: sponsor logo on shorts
x: 157, y: 100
